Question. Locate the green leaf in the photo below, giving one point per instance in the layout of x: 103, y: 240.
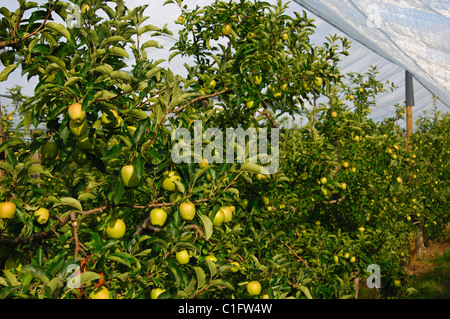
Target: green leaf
x: 222, y: 283
x: 119, y: 52
x: 7, y: 167
x: 147, y: 28
x: 69, y: 201
x: 250, y: 167
x: 150, y: 44
x: 7, y: 71
x: 37, y: 272
x: 201, y: 277
x: 121, y: 75
x: 59, y: 28
x: 104, y: 69
x: 305, y: 290
x: 122, y: 257
x: 207, y: 223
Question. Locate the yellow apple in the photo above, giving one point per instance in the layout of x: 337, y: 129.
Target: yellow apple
x: 116, y: 228
x: 346, y: 164
x: 249, y: 104
x: 7, y: 210
x: 344, y: 186
x: 235, y: 267
x: 318, y: 81
x: 323, y: 180
x: 397, y: 283
x: 154, y: 294
x: 227, y: 214
x: 182, y: 257
x: 187, y: 210
x: 76, y: 113
x: 226, y: 29
x: 158, y: 217
x: 334, y: 114
x: 99, y: 293
x: 129, y: 177
x: 212, y: 258
x: 41, y: 215
x: 254, y: 288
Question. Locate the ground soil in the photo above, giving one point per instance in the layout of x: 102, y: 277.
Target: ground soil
x: 424, y: 263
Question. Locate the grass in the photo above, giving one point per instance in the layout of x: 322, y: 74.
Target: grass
x: 434, y: 284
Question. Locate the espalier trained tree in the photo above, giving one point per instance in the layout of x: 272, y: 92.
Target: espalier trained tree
x: 107, y: 213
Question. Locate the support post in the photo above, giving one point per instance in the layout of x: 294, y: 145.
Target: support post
x: 409, y: 103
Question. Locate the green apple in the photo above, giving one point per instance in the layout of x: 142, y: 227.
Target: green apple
x: 187, y: 210
x: 78, y: 129
x: 285, y: 36
x: 99, y: 293
x: 49, y: 151
x: 174, y: 197
x: 318, y: 81
x: 85, y: 144
x: 7, y: 210
x: 79, y: 157
x: 76, y: 113
x: 129, y: 177
x: 154, y: 294
x: 254, y: 288
x: 182, y: 257
x: 158, y: 217
x: 116, y: 228
x: 41, y: 215
x: 218, y: 219
x: 13, y: 263
x: 168, y: 182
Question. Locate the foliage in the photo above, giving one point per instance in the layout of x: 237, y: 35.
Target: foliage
x: 299, y: 235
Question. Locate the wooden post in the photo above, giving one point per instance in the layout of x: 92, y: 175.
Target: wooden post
x: 409, y: 93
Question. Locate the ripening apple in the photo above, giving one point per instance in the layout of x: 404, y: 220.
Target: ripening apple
x: 116, y: 228
x: 99, y: 293
x: 346, y: 164
x: 218, y: 219
x: 353, y: 259
x: 174, y: 197
x: 226, y: 29
x: 357, y: 138
x: 397, y: 283
x: 227, y: 214
x: 347, y: 256
x: 78, y: 129
x: 285, y: 36
x: 254, y: 288
x: 187, y: 211
x: 41, y: 215
x: 182, y: 257
x: 168, y: 182
x: 49, y: 151
x: 158, y: 217
x: 76, y: 113
x: 204, y: 163
x: 266, y: 200
x: 10, y: 118
x: 154, y: 294
x: 129, y: 177
x: 344, y: 186
x: 334, y: 114
x: 399, y: 180
x: 323, y: 180
x: 211, y: 258
x: 249, y: 104
x: 318, y: 81
x: 7, y: 210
